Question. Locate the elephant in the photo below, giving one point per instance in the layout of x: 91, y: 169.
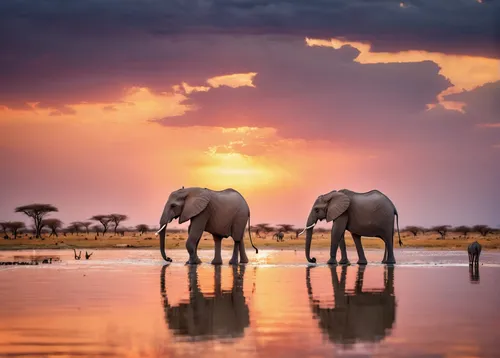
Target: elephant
x: 221, y: 314
x: 474, y: 251
x: 368, y: 214
x: 222, y: 213
x: 279, y: 236
x: 357, y: 316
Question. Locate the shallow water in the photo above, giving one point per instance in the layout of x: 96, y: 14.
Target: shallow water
x: 125, y: 303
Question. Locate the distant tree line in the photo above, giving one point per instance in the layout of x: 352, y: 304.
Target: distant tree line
x: 442, y: 230
x: 100, y: 224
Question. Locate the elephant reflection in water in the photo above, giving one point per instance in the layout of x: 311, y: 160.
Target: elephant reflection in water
x: 358, y: 316
x: 221, y: 314
x: 474, y: 273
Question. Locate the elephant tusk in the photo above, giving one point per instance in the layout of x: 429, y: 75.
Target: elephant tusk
x: 161, y: 229
x: 308, y: 227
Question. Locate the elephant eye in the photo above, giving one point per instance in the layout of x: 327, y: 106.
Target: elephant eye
x: 316, y: 209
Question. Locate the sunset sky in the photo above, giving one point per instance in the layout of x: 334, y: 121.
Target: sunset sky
x: 108, y: 106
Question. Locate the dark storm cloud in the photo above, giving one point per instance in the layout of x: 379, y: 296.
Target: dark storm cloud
x: 90, y: 50
x: 446, y: 25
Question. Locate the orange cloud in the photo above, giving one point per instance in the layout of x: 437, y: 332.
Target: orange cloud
x: 488, y: 125
x: 464, y: 72
x: 233, y: 80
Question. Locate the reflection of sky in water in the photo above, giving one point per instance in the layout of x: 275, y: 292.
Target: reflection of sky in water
x: 114, y: 304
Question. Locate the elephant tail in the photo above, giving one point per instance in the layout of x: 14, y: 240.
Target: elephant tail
x: 397, y: 225
x: 250, y: 235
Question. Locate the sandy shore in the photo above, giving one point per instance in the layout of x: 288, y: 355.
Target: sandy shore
x: 453, y: 241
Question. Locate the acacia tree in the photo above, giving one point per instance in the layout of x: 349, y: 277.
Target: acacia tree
x: 53, y: 225
x: 117, y: 219
x: 413, y: 229
x: 76, y: 226
x: 142, y: 228
x: 104, y: 220
x: 37, y: 213
x: 285, y: 227
x: 298, y: 231
x: 463, y: 229
x: 96, y: 229
x: 15, y: 226
x: 86, y: 225
x: 265, y: 228
x: 482, y: 229
x: 441, y: 230
x: 4, y: 225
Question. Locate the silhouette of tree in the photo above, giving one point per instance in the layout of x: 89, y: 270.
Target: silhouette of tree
x: 96, y: 229
x: 86, y: 225
x: 298, y: 231
x: 482, y: 229
x: 142, y: 228
x: 104, y: 220
x: 265, y: 228
x: 414, y: 229
x: 53, y: 225
x: 4, y: 225
x: 14, y: 227
x: 463, y: 229
x: 37, y: 213
x: 285, y: 227
x: 76, y: 226
x: 117, y: 219
x: 441, y: 230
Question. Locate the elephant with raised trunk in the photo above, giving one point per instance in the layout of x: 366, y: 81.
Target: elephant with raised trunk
x: 362, y: 214
x: 222, y: 213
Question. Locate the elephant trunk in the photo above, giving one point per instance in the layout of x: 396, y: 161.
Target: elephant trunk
x: 162, y: 244
x: 311, y: 221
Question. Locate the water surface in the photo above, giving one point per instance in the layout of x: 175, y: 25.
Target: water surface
x: 126, y: 303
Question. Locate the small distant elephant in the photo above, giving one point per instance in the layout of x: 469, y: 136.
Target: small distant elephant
x: 222, y: 213
x: 363, y: 214
x: 474, y: 251
x: 279, y: 236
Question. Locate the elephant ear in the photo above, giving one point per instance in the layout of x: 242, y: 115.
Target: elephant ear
x: 195, y: 204
x: 337, y: 204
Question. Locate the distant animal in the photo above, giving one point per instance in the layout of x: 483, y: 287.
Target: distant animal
x: 279, y: 236
x: 474, y: 251
x: 87, y: 255
x: 77, y: 257
x: 222, y: 213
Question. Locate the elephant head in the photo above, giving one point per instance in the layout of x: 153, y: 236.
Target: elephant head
x: 183, y: 204
x: 326, y: 207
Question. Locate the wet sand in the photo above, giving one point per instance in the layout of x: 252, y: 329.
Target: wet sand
x: 126, y: 303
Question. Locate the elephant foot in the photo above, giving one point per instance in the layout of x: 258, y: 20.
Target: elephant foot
x: 344, y: 262
x: 216, y: 262
x: 244, y: 260
x: 196, y: 261
x: 389, y: 262
x: 362, y: 262
x: 332, y: 261
x: 233, y: 262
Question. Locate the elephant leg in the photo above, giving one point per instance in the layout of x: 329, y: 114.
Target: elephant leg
x: 359, y: 248
x: 388, y: 239
x: 195, y: 231
x: 236, y: 249
x: 338, y: 230
x: 243, y: 253
x: 218, y: 247
x: 384, y: 259
x: 343, y: 251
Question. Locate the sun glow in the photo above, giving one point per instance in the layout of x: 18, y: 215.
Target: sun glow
x: 223, y: 170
